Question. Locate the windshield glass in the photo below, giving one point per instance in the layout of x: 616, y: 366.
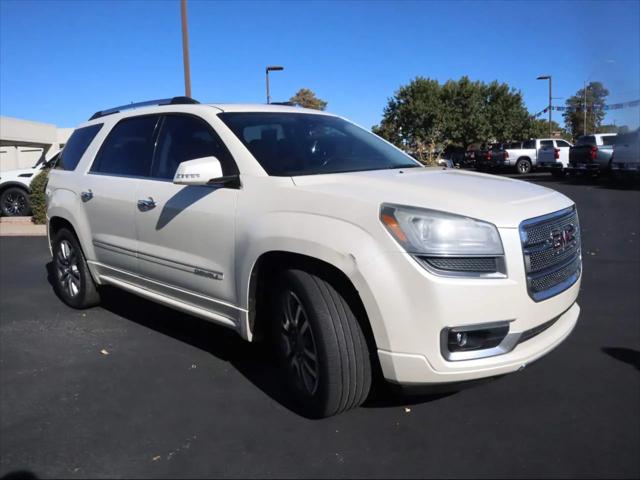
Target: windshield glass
x: 289, y: 144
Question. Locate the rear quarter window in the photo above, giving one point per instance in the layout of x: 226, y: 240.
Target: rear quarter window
x: 76, y: 146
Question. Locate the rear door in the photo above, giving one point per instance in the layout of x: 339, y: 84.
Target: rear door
x: 187, y: 239
x: 109, y: 192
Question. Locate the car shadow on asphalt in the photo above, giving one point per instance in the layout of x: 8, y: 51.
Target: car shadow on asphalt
x: 255, y: 361
x: 625, y: 355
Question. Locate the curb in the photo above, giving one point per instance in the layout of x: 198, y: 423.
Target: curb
x: 21, y: 227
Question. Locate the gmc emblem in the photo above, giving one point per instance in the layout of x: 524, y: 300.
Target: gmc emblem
x: 561, y: 238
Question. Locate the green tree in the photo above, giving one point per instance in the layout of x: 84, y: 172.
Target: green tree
x: 307, y: 98
x: 574, y: 115
x: 412, y: 118
x: 539, y: 128
x: 424, y: 114
x: 38, y: 197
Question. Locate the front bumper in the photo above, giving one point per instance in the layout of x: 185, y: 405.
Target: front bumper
x: 414, y: 306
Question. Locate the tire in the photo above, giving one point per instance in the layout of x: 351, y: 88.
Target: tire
x: 523, y: 166
x: 14, y: 202
x: 312, y: 320
x: 71, y: 277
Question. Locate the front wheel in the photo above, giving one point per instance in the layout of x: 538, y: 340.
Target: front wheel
x: 321, y: 347
x: 14, y: 202
x: 523, y: 166
x: 72, y: 280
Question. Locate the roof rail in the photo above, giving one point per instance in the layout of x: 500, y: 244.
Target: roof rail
x: 289, y: 104
x: 164, y: 101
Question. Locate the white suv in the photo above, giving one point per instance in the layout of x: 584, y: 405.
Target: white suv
x: 300, y: 227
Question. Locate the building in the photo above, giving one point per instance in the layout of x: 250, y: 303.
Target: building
x: 23, y: 142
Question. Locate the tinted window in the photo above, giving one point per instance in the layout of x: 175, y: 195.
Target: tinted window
x: 588, y: 140
x: 546, y: 143
x: 128, y: 149
x: 308, y: 144
x: 182, y: 138
x: 562, y: 143
x: 529, y: 144
x: 76, y: 146
x: 609, y: 140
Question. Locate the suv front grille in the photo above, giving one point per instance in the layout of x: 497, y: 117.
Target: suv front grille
x: 551, y: 249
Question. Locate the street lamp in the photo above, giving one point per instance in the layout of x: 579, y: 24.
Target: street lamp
x: 271, y: 68
x: 547, y: 77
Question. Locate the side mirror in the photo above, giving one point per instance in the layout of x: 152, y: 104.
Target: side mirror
x: 200, y: 171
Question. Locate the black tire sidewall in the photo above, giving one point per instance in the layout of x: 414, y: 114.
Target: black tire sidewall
x: 312, y: 404
x: 87, y: 287
x: 21, y: 192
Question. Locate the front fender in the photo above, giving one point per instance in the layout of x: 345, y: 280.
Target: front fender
x: 344, y: 245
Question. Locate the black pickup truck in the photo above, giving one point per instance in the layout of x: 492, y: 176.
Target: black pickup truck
x: 592, y: 154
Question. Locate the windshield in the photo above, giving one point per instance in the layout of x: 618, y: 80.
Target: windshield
x: 290, y: 144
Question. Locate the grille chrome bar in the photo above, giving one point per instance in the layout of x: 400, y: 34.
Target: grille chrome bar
x: 552, y: 253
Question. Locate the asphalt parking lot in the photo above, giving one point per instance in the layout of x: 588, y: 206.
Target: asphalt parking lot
x: 132, y: 389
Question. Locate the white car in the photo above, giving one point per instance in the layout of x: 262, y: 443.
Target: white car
x: 15, y: 188
x: 525, y: 156
x: 301, y: 228
x: 555, y: 157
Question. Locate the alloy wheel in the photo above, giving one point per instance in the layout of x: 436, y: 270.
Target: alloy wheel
x: 67, y: 268
x: 300, y: 350
x: 523, y: 167
x: 15, y: 203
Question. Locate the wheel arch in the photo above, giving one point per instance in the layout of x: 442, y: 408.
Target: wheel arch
x: 270, y: 263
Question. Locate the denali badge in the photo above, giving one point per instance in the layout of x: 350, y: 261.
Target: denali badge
x: 208, y: 274
x: 561, y: 238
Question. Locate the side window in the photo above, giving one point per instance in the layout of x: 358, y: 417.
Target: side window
x: 562, y: 144
x: 128, y: 149
x: 529, y: 144
x: 609, y: 140
x: 76, y: 146
x: 546, y: 143
x: 185, y: 137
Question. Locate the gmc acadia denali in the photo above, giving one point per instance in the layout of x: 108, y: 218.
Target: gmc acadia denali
x: 299, y: 227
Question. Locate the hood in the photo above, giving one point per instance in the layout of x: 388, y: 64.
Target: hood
x: 14, y: 175
x: 502, y: 201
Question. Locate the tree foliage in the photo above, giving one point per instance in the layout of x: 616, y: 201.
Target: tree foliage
x: 575, y: 114
x: 307, y: 98
x: 457, y: 113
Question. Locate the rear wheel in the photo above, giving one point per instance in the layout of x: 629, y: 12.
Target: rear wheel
x: 523, y: 166
x: 72, y: 280
x: 14, y: 202
x: 322, y: 349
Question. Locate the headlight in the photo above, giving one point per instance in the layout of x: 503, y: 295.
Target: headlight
x: 445, y: 243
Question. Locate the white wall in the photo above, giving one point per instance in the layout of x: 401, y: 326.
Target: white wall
x: 23, y: 142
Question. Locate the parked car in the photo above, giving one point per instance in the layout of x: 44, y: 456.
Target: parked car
x: 298, y: 227
x: 15, y: 188
x: 554, y: 158
x: 489, y: 157
x: 524, y: 157
x: 592, y: 154
x: 626, y: 154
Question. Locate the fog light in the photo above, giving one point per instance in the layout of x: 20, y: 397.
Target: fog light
x: 473, y: 341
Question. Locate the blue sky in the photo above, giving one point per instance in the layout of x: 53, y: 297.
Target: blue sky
x: 62, y: 60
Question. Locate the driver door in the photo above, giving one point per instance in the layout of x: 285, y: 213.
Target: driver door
x: 186, y: 234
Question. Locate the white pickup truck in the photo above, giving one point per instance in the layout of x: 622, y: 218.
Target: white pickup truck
x: 555, y: 158
x: 302, y: 229
x: 524, y: 156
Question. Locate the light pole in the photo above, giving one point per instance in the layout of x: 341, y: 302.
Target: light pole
x: 185, y: 48
x: 547, y: 77
x: 271, y: 68
x: 584, y: 127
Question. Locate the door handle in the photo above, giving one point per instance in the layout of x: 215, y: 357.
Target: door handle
x: 86, y: 196
x: 145, y: 205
